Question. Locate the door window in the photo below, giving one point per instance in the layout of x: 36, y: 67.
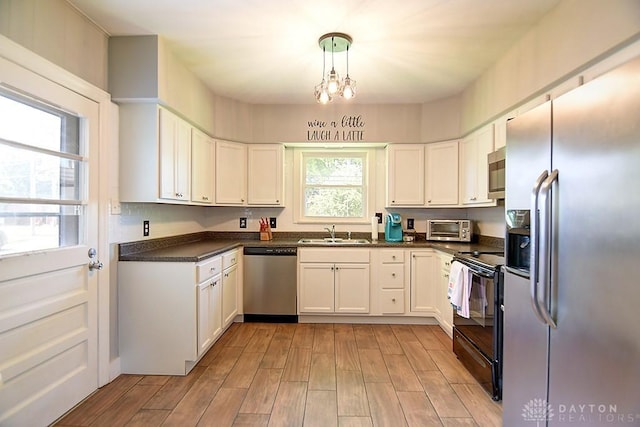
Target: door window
x: 42, y: 199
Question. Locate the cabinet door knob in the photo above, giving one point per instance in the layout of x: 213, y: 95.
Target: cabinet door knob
x: 393, y: 274
x: 393, y: 300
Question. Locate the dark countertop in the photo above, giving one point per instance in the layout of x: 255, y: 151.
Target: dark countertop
x: 200, y: 246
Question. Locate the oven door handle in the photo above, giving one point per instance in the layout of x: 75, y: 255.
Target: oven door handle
x: 473, y: 269
x: 534, y: 243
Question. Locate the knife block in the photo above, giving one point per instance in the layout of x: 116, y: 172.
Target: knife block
x: 265, y: 235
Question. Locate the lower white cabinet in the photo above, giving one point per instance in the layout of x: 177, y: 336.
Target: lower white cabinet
x: 230, y: 287
x: 170, y: 313
x: 391, y: 281
x: 333, y: 281
x: 423, y: 288
x: 445, y: 310
x: 209, y: 312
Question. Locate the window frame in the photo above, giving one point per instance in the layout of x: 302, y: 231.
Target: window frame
x: 369, y: 161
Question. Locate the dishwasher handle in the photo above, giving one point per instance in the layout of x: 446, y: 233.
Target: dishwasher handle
x: 271, y: 250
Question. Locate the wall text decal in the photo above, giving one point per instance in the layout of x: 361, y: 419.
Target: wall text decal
x: 349, y: 128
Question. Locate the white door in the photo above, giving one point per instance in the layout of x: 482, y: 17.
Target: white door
x: 48, y: 221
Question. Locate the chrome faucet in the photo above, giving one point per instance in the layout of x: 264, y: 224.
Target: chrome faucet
x: 332, y: 231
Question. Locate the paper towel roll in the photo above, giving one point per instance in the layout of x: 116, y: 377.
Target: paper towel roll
x: 374, y: 228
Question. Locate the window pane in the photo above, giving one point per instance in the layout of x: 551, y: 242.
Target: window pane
x: 32, y: 175
x: 334, y: 202
x: 28, y: 122
x: 36, y: 141
x: 25, y: 227
x: 334, y: 170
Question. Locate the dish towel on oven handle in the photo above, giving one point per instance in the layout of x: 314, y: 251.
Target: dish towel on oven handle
x: 459, y: 289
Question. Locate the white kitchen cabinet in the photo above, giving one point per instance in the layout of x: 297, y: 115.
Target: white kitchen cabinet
x: 203, y: 152
x: 169, y: 314
x: 231, y: 173
x: 175, y: 157
x: 405, y: 175
x: 445, y: 310
x: 265, y: 174
x: 423, y: 287
x: 442, y: 173
x: 474, y: 167
x: 230, y: 287
x: 391, y: 281
x: 351, y: 288
x: 333, y: 280
x: 209, y: 303
x: 155, y: 155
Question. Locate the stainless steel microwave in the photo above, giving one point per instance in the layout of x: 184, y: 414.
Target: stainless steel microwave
x: 497, y: 167
x: 451, y: 230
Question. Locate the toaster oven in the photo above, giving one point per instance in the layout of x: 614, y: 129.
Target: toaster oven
x: 452, y: 230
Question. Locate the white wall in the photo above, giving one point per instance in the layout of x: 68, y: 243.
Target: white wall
x: 59, y: 33
x: 571, y: 37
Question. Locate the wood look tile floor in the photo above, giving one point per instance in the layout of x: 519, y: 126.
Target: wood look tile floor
x: 263, y: 374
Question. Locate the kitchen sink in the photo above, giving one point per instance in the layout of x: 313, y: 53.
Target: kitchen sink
x: 335, y: 241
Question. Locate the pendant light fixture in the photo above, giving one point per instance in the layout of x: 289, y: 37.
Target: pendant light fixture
x: 332, y: 85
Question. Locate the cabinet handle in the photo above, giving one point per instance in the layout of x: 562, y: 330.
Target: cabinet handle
x: 277, y: 201
x: 393, y: 257
x: 226, y: 274
x: 212, y: 269
x: 205, y: 198
x: 428, y: 201
x: 393, y: 274
x: 393, y: 201
x: 179, y: 195
x: 473, y: 198
x: 242, y: 200
x: 393, y: 300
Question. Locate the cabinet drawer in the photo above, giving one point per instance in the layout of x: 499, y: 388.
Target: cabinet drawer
x: 392, y: 301
x: 391, y: 255
x: 208, y: 268
x: 392, y: 276
x: 229, y: 259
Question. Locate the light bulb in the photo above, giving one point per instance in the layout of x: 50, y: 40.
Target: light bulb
x: 333, y: 84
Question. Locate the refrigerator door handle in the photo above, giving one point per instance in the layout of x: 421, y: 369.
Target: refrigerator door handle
x: 544, y: 248
x: 534, y: 230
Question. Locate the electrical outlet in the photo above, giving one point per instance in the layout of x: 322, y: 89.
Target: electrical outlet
x: 379, y: 215
x: 145, y: 228
x: 273, y: 222
x: 243, y: 222
x: 409, y: 223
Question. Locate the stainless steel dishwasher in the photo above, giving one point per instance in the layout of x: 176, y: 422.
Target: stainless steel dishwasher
x: 270, y: 284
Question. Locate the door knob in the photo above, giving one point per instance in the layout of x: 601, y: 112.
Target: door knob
x: 94, y: 264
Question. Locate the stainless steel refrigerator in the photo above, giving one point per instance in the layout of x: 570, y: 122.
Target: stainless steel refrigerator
x: 572, y: 280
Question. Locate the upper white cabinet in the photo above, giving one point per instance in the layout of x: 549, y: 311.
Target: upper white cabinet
x: 249, y: 174
x: 231, y: 173
x: 474, y: 167
x: 442, y: 173
x: 203, y: 151
x: 405, y: 175
x: 265, y: 174
x: 155, y: 155
x: 175, y: 157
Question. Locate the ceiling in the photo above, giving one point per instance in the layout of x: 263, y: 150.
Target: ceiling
x: 266, y: 51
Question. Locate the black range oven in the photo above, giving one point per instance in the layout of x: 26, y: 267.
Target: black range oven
x: 477, y: 340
